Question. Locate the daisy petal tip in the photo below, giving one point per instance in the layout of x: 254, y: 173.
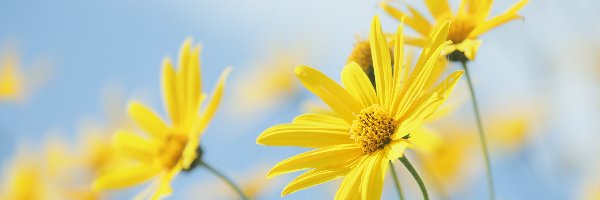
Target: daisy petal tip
x: 301, y: 70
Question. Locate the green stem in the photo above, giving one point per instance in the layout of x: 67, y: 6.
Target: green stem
x: 396, y: 182
x: 482, y: 140
x: 415, y: 175
x: 224, y: 178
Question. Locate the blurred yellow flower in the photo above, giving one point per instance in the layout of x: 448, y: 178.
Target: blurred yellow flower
x: 168, y: 149
x: 12, y: 86
x: 15, y: 84
x: 370, y: 125
x: 447, y: 157
x: 510, y: 129
x: 24, y: 180
x: 470, y: 21
x: 268, y: 84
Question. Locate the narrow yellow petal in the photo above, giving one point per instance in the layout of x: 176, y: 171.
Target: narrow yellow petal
x: 438, y: 8
x: 321, y: 120
x: 312, y: 178
x: 436, y: 39
x: 215, y: 100
x: 193, y: 81
x: 164, y: 186
x: 169, y: 89
x: 323, y: 158
x: 507, y: 16
x: 374, y: 173
x: 415, y: 86
x: 350, y: 187
x: 147, y: 120
x: 309, y: 136
x: 399, y: 69
x: 184, y: 69
x: 126, y: 177
x: 382, y: 63
x: 134, y: 146
x: 338, y: 99
x: 417, y: 21
x: 181, y: 80
x: 189, y: 153
x: 358, y: 84
x: 482, y: 10
x: 416, y: 41
x: 421, y: 109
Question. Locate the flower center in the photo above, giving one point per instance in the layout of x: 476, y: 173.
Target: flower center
x: 361, y: 54
x: 172, y: 149
x: 373, y: 128
x: 460, y: 28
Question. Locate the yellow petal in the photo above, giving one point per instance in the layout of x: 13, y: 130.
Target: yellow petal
x: 329, y: 91
x: 435, y: 40
x: 469, y: 48
x: 477, y: 9
x: 164, y: 186
x: 415, y: 86
x: 358, y: 84
x: 399, y: 70
x: 312, y: 178
x: 382, y: 63
x: 134, y: 146
x: 416, y: 41
x: 215, y: 100
x: 350, y: 187
x: 424, y: 107
x: 438, y: 71
x: 374, y: 173
x: 193, y: 81
x: 126, y: 177
x: 181, y: 80
x: 323, y: 158
x: 147, y: 120
x: 309, y: 136
x: 169, y: 88
x: 438, y: 8
x: 189, y: 153
x: 321, y: 120
x: 417, y: 21
x: 507, y: 16
x: 395, y: 149
x: 426, y: 140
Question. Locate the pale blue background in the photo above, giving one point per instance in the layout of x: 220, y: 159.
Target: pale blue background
x: 95, y: 43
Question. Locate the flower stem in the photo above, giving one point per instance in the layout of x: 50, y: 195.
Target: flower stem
x: 224, y: 178
x: 482, y: 140
x: 396, y: 182
x: 415, y: 175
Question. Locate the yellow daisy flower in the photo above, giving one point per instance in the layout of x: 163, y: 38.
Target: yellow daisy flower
x: 467, y: 25
x: 168, y: 149
x: 370, y: 125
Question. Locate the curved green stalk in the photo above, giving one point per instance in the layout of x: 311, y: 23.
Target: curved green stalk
x: 415, y: 175
x: 482, y: 140
x: 224, y: 178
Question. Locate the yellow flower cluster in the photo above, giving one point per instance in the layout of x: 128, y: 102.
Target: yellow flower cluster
x: 386, y: 103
